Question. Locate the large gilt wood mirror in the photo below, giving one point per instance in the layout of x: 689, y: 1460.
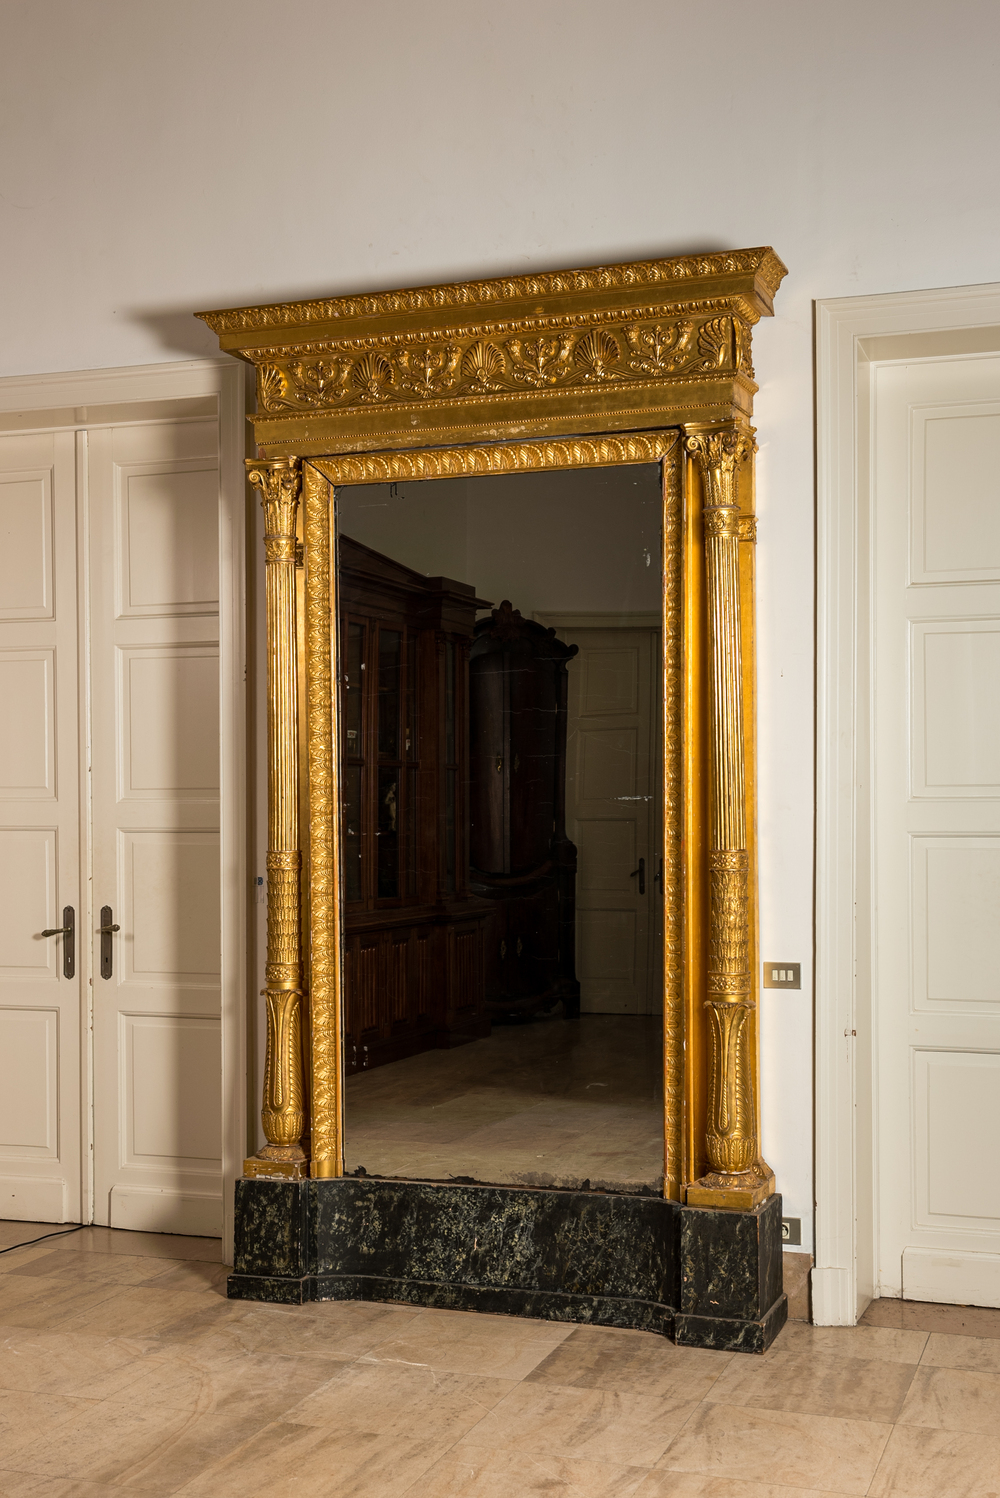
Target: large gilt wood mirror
x: 510, y: 638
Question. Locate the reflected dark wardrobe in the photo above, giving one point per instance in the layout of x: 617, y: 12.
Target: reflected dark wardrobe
x: 522, y: 860
x: 415, y: 937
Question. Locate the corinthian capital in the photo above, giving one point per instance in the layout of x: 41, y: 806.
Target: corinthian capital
x: 279, y: 481
x: 718, y: 452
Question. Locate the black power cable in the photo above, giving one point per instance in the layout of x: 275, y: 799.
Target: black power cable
x: 63, y: 1234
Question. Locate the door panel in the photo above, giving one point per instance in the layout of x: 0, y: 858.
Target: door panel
x: 937, y: 716
x: 40, y: 1104
x: 153, y: 496
x: 611, y: 816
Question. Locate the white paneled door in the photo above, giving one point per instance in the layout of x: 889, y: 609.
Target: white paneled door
x: 611, y: 816
x: 109, y: 817
x: 937, y: 832
x: 40, y: 1008
x: 154, y: 648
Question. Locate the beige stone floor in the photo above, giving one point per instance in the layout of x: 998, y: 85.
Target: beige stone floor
x: 124, y: 1370
x: 552, y: 1103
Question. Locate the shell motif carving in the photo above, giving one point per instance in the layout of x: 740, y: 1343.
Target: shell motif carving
x: 714, y: 343
x: 484, y: 365
x: 373, y: 377
x: 597, y: 354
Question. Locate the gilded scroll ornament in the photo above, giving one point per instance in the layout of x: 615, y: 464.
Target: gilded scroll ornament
x: 507, y: 457
x: 671, y: 892
x: 283, y: 1111
x: 324, y: 861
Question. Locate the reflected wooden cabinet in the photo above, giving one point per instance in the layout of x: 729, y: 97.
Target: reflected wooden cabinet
x: 522, y: 860
x: 414, y: 934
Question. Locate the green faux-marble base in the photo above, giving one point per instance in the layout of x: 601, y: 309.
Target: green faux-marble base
x: 601, y: 1258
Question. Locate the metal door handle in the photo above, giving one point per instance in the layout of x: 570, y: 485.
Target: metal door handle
x: 107, y: 931
x: 641, y: 871
x: 67, y: 929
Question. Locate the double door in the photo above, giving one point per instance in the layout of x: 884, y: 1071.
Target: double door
x: 109, y: 826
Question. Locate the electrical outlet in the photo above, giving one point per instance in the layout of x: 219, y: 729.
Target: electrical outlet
x: 259, y: 892
x: 782, y: 975
x: 791, y: 1230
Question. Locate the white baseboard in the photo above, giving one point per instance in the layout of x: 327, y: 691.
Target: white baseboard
x: 954, y: 1279
x: 147, y: 1211
x: 33, y: 1198
x: 833, y: 1297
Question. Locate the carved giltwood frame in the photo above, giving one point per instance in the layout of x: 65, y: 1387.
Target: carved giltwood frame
x: 619, y: 364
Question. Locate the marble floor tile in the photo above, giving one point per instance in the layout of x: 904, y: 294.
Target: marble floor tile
x: 98, y: 1268
x: 20, y: 1232
x: 131, y: 1311
x: 24, y: 1410
x: 464, y: 1342
x: 778, y: 1447
x: 48, y: 1303
x: 465, y: 1473
x: 963, y: 1321
x: 151, y: 1245
x: 978, y: 1354
x: 304, y: 1461
x: 815, y: 1384
x: 156, y: 1450
x: 28, y: 1485
x: 923, y: 1463
x: 397, y: 1399
x: 46, y: 1362
x: 660, y: 1484
x: 338, y: 1329
x: 630, y: 1430
x: 195, y: 1383
x: 598, y: 1357
x: 954, y: 1399
x: 880, y: 1343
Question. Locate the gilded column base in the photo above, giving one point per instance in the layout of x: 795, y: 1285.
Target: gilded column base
x: 737, y: 1193
x: 275, y: 1160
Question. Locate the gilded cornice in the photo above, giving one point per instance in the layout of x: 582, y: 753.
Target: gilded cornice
x: 762, y: 264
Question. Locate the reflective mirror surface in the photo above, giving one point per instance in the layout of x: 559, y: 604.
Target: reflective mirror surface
x: 499, y: 641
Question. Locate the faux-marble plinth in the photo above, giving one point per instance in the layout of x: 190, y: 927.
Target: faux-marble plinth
x: 584, y: 1256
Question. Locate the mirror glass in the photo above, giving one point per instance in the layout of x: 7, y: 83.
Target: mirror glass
x: 500, y: 667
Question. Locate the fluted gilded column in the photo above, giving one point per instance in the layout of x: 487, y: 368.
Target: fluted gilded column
x: 737, y: 1176
x: 283, y: 1111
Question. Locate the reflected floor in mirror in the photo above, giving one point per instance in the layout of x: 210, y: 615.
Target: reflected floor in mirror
x: 556, y: 1102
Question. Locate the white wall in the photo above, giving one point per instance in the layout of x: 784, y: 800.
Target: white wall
x: 160, y: 156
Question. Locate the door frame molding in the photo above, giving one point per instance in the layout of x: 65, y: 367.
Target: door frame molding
x: 853, y: 335
x: 63, y: 401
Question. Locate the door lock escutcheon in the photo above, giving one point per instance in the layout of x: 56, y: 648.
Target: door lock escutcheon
x: 68, y: 931
x: 641, y: 872
x: 107, y: 930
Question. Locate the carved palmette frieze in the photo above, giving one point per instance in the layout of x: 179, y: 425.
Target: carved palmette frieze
x: 468, y: 365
